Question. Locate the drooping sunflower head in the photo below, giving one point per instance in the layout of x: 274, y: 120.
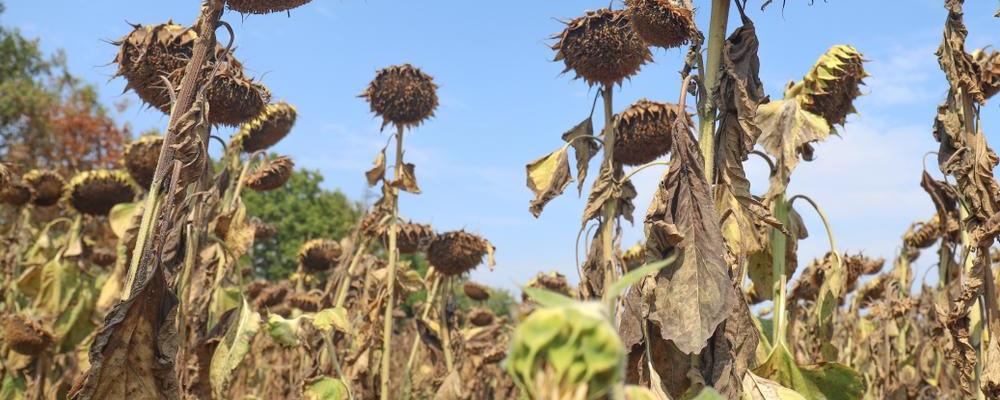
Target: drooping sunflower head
x: 476, y: 291
x: 307, y: 302
x: 457, y: 252
x: 552, y: 281
x: 16, y: 194
x: 263, y: 6
x: 46, y: 186
x: 662, y: 23
x: 25, y: 336
x: 481, y: 317
x: 272, y: 175
x: 141, y: 157
x: 95, y: 192
x: 412, y: 237
x: 645, y: 131
x: 150, y: 52
x: 830, y: 87
x: 268, y: 128
x: 601, y: 47
x: 402, y: 95
x: 319, y: 255
x: 234, y: 98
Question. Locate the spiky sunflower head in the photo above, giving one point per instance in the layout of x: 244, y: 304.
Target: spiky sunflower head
x: 16, y: 194
x: 457, y: 252
x: 319, y: 255
x: 561, y: 350
x: 150, y: 52
x: 601, y: 47
x: 24, y: 335
x: 412, y: 237
x: 552, y: 281
x: 141, y: 157
x: 830, y: 87
x: 476, y: 291
x: 270, y: 295
x: 233, y: 98
x: 481, y: 317
x: 307, y: 302
x: 268, y: 128
x: 662, y: 23
x: 644, y: 131
x: 95, y: 192
x: 272, y: 175
x: 46, y: 186
x: 263, y: 6
x: 402, y: 95
x: 989, y: 71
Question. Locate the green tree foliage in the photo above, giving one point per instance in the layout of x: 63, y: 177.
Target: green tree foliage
x: 301, y: 210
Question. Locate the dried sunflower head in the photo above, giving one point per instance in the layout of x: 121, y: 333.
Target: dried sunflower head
x: 989, y: 70
x: 319, y: 255
x: 307, y: 302
x: 662, y: 23
x: 402, y: 95
x: 481, y: 317
x: 25, y: 336
x: 270, y: 296
x: 103, y: 257
x: 46, y: 186
x: 455, y: 253
x: 644, y: 131
x: 412, y: 237
x: 601, y: 47
x: 634, y: 256
x: 95, y: 192
x: 262, y: 230
x: 552, y: 281
x: 255, y: 288
x: 830, y: 87
x: 263, y: 6
x: 271, y: 175
x: 141, y: 157
x: 476, y: 291
x: 16, y: 194
x: 150, y: 52
x: 267, y: 128
x: 233, y: 98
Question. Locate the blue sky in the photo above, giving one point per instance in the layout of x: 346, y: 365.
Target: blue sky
x: 504, y: 103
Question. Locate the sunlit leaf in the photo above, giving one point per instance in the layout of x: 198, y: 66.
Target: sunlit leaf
x: 233, y: 348
x: 326, y: 388
x: 332, y: 318
x: 547, y: 178
x: 377, y: 172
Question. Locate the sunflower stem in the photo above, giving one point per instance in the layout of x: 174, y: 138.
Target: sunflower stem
x: 609, y: 209
x: 706, y: 113
x: 778, y: 246
x: 391, y: 279
x: 428, y: 304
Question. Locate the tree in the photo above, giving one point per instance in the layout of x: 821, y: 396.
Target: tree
x: 300, y: 210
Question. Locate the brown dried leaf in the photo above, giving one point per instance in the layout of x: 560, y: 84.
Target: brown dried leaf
x: 547, y: 178
x: 606, y: 189
x: 377, y: 172
x: 694, y: 294
x: 786, y: 131
x: 407, y: 182
x: 132, y: 356
x: 583, y: 147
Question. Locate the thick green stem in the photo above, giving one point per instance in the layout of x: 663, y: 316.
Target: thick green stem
x: 609, y: 210
x: 391, y: 279
x: 706, y: 113
x: 778, y: 246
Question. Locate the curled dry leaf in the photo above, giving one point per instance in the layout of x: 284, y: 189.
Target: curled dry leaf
x: 693, y: 295
x: 548, y: 177
x: 786, y: 131
x: 377, y: 172
x: 584, y: 148
x: 607, y: 188
x: 407, y: 182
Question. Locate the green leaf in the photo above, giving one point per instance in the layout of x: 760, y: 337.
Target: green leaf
x: 14, y: 387
x: 708, y: 394
x: 120, y: 217
x: 284, y: 331
x: 547, y: 298
x: 233, y: 348
x: 326, y: 388
x: 635, y: 276
x: 830, y: 381
x: 332, y: 318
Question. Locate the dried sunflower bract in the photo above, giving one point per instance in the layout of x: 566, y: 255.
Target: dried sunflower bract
x: 455, y: 253
x: 662, y: 23
x: 601, y: 47
x: 263, y: 6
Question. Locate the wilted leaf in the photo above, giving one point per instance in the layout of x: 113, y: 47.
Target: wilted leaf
x: 583, y: 147
x: 332, y: 318
x: 830, y: 381
x: 408, y: 181
x: 694, y: 294
x: 377, y: 172
x: 233, y: 348
x: 786, y: 131
x: 326, y: 388
x: 547, y: 178
x: 120, y: 217
x: 708, y: 394
x: 634, y: 277
x: 757, y: 388
x: 606, y: 189
x: 133, y: 354
x: 14, y: 387
x: 284, y: 331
